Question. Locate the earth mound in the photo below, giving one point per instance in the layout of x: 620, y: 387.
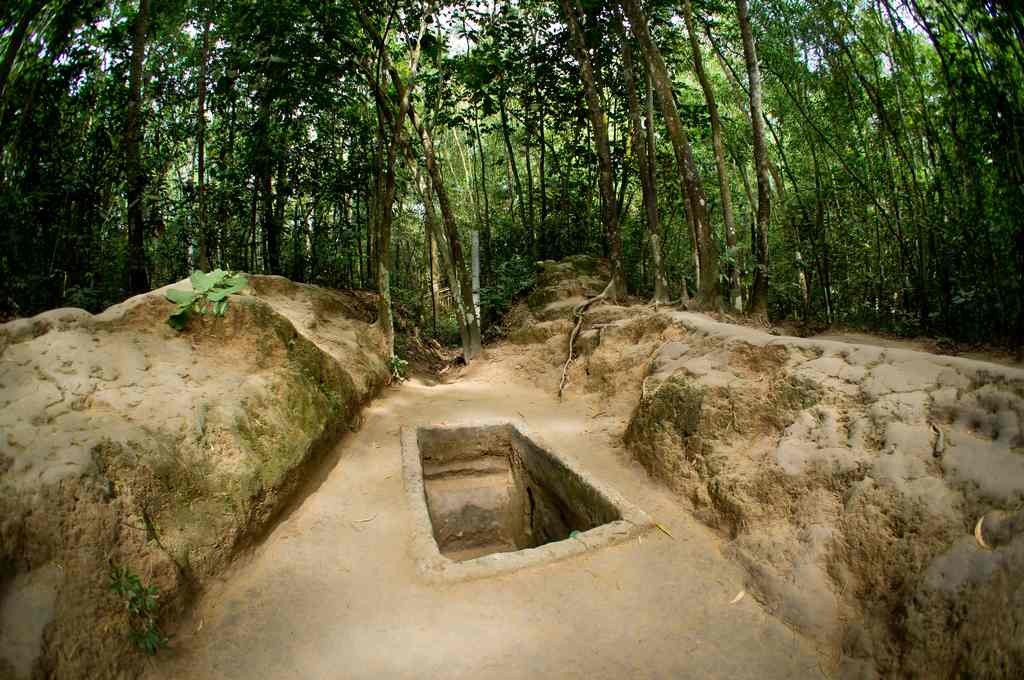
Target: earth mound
x: 848, y: 479
x: 129, y: 449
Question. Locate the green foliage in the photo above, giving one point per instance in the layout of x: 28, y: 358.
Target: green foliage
x: 897, y: 153
x: 140, y: 601
x: 399, y: 368
x: 448, y: 330
x: 209, y: 294
x: 512, y: 278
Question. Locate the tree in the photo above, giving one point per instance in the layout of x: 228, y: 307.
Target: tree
x: 719, y: 148
x: 204, y: 236
x: 138, y: 271
x: 643, y: 152
x: 599, y: 127
x: 759, y: 294
x: 394, y: 114
x: 709, y: 292
x: 873, y: 165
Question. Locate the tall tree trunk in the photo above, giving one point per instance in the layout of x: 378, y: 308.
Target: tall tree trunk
x: 396, y: 114
x: 541, y: 232
x: 204, y: 235
x: 657, y: 239
x: 641, y: 154
x: 264, y: 173
x: 599, y: 124
x: 759, y: 294
x: 709, y: 294
x: 138, y: 272
x: 439, y: 246
x: 716, y: 141
x: 461, y: 285
x: 488, y: 253
x: 276, y: 233
x: 531, y: 242
x: 513, y: 168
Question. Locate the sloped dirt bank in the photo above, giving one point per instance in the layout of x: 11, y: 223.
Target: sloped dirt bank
x: 848, y: 478
x: 127, y: 444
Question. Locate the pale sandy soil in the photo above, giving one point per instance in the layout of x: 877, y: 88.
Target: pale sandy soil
x: 917, y: 345
x: 333, y: 592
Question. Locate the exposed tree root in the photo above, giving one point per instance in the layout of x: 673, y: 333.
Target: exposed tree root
x: 578, y: 313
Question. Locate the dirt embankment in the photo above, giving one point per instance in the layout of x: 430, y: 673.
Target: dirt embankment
x: 126, y: 444
x: 848, y: 478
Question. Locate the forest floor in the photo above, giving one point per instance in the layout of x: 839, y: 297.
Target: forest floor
x: 334, y: 592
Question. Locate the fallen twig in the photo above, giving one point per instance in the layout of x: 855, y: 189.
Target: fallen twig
x: 578, y: 313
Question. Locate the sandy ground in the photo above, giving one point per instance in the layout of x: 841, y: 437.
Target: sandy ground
x: 333, y: 591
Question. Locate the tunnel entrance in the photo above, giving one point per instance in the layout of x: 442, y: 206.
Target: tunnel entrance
x: 493, y: 490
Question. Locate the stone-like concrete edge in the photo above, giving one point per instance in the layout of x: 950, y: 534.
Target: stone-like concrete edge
x: 436, y: 568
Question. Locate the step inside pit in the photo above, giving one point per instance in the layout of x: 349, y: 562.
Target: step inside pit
x: 493, y: 490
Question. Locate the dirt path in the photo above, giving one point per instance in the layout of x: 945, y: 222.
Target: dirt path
x: 333, y: 591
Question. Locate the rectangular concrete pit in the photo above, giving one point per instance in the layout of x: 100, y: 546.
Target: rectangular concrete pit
x: 491, y: 499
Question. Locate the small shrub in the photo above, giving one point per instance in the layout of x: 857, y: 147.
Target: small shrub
x: 140, y: 601
x: 210, y: 293
x: 511, y: 279
x: 399, y: 368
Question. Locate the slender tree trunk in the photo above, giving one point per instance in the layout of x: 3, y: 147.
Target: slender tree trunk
x: 432, y: 250
x: 719, y: 147
x: 396, y: 114
x: 439, y: 245
x: 657, y: 240
x: 382, y: 247
x: 707, y: 251
x: 542, y: 231
x: 250, y: 247
x: 598, y: 122
x: 274, y: 235
x: 488, y: 253
x: 264, y: 174
x: 461, y: 285
x: 138, y: 272
x: 513, y: 169
x: 531, y: 235
x: 641, y: 154
x: 204, y: 236
x: 759, y: 294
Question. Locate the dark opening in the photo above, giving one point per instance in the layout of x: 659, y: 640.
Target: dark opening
x: 493, y: 490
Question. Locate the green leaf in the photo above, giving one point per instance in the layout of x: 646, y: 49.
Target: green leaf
x: 220, y: 307
x: 204, y: 282
x: 233, y: 285
x: 182, y: 297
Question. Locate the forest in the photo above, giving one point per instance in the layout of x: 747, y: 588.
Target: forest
x: 858, y: 162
